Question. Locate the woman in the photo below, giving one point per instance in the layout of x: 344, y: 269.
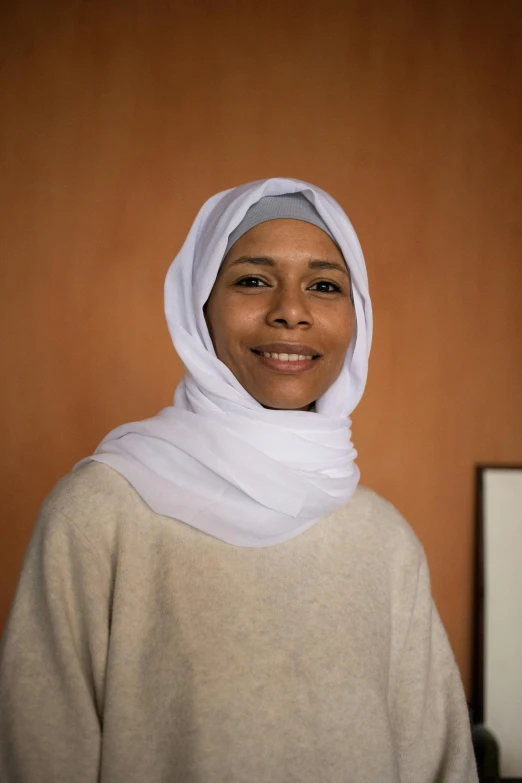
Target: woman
x: 211, y: 596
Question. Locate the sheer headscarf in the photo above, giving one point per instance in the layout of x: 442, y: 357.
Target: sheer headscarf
x: 216, y: 459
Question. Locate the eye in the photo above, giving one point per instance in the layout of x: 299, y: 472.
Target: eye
x: 251, y: 282
x: 326, y: 287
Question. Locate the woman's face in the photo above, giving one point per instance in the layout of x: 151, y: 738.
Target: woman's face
x: 280, y: 314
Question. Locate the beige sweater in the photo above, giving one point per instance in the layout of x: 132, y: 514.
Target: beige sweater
x: 140, y: 650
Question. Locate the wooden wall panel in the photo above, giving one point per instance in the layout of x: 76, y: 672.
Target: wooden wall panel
x: 119, y: 119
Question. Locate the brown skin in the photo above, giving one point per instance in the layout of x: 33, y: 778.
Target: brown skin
x: 266, y: 292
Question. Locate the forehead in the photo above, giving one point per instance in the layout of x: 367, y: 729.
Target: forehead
x: 285, y: 237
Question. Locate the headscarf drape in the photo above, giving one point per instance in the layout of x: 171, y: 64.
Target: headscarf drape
x: 216, y: 459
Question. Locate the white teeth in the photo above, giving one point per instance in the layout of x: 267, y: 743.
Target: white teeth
x: 285, y: 357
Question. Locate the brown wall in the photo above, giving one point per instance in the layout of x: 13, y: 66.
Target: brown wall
x: 118, y: 120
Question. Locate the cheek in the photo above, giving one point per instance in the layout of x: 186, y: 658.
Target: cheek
x: 232, y: 322
x: 337, y: 329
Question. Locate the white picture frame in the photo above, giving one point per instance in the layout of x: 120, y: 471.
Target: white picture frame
x: 497, y: 701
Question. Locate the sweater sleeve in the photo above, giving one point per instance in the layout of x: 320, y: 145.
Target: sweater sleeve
x: 429, y: 711
x: 53, y: 658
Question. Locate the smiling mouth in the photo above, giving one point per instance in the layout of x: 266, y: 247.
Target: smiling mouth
x: 287, y: 362
x: 286, y: 357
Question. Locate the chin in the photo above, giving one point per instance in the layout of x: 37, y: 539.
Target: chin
x: 279, y: 404
x: 282, y: 396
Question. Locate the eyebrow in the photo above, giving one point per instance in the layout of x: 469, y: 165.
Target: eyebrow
x: 267, y: 261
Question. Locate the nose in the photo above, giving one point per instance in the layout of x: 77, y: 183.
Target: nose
x: 289, y: 308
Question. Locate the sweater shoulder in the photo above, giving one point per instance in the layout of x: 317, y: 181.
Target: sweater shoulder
x: 93, y: 488
x: 381, y: 522
x: 93, y: 499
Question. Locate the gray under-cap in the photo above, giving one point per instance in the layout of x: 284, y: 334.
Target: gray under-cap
x: 288, y: 205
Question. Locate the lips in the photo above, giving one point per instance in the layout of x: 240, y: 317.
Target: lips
x: 287, y: 358
x: 287, y: 349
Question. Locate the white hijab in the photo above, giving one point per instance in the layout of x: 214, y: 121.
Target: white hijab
x: 217, y: 459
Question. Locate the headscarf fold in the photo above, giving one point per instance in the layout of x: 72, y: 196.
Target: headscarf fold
x: 216, y: 459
